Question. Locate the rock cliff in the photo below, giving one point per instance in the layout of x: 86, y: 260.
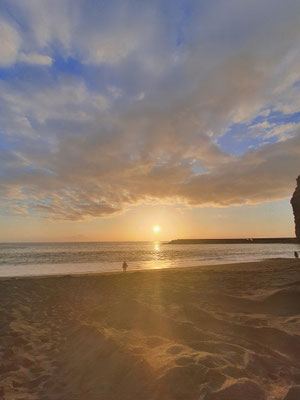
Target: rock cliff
x: 295, y: 201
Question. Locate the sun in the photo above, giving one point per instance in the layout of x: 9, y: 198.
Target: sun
x: 156, y: 228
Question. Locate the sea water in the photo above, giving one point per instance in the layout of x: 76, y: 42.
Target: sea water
x: 23, y: 259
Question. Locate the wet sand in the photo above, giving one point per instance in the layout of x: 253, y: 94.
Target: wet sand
x: 224, y: 332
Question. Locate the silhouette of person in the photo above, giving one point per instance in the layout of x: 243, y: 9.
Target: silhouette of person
x: 125, y: 266
x: 296, y: 254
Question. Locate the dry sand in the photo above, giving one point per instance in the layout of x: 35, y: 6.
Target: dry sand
x: 217, y: 333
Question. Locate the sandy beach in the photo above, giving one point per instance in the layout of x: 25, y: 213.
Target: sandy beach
x: 225, y: 332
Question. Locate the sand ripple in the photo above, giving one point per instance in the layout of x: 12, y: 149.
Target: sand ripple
x: 226, y: 333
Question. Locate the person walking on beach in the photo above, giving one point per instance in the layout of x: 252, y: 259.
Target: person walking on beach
x: 296, y: 254
x: 125, y: 266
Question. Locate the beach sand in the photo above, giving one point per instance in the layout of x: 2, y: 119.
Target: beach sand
x: 226, y: 332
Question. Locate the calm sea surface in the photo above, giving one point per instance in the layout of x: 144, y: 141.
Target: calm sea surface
x: 21, y: 259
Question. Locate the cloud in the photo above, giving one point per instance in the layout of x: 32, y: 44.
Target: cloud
x: 269, y: 130
x: 284, y: 131
x: 9, y: 45
x: 34, y: 58
x: 139, y: 115
x: 259, y: 175
x: 67, y: 102
x: 90, y: 31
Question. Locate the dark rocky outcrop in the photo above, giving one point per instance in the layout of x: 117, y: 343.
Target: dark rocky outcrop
x: 293, y: 393
x: 295, y: 201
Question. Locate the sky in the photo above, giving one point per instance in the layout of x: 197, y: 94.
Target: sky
x: 119, y: 115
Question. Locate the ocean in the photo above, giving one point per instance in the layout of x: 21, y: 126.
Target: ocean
x: 24, y: 259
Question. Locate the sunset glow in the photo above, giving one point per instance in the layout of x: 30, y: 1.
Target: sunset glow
x: 137, y: 136
x: 111, y: 115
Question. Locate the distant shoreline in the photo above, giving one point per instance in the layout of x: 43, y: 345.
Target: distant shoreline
x: 203, y: 267
x: 235, y: 241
